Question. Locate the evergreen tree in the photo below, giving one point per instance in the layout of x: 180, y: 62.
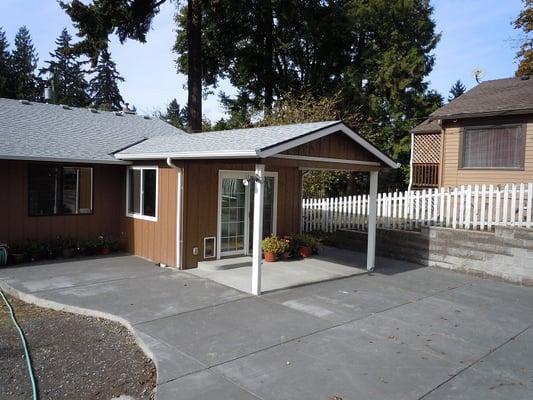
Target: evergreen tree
x: 104, y: 85
x: 24, y: 83
x: 5, y: 65
x: 175, y: 115
x: 456, y: 90
x: 524, y: 22
x: 66, y: 74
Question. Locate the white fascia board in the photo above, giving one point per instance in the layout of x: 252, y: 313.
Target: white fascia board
x: 186, y: 155
x: 324, y: 132
x: 64, y: 160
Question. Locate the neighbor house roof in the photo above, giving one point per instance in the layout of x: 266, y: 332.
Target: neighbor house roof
x: 41, y: 131
x: 497, y: 97
x: 252, y: 142
x: 428, y: 126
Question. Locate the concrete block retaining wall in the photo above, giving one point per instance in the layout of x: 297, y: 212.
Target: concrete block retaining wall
x: 506, y: 253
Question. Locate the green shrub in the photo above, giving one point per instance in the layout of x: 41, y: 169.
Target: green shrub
x: 304, y: 239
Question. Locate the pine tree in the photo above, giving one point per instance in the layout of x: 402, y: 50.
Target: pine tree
x: 104, y: 86
x: 24, y: 83
x: 456, y: 90
x: 175, y: 115
x: 66, y: 74
x: 5, y: 65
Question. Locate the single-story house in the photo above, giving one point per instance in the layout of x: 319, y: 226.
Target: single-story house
x: 484, y: 136
x: 169, y: 196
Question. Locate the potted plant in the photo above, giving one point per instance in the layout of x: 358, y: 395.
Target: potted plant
x: 290, y: 252
x: 273, y: 247
x: 306, y: 244
x: 16, y: 254
x: 34, y: 250
x: 106, y: 245
x: 68, y: 247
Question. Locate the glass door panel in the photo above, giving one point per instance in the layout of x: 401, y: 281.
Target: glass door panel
x: 233, y: 216
x: 268, y: 210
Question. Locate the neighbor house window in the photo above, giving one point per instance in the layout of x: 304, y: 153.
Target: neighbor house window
x: 494, y: 147
x: 142, y: 192
x: 59, y: 190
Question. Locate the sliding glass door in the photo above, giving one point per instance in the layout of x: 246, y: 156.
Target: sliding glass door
x: 236, y: 204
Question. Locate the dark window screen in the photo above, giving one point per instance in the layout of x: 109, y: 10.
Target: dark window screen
x: 493, y: 147
x: 149, y: 192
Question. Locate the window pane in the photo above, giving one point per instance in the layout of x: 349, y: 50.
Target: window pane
x: 134, y: 194
x: 85, y: 190
x: 499, y: 147
x: 44, y: 190
x: 70, y: 191
x: 149, y: 188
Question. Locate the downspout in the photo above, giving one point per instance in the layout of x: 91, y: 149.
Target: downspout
x: 179, y: 212
x: 411, y: 162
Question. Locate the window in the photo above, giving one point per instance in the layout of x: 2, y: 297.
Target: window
x: 59, y: 190
x: 142, y: 192
x: 494, y: 147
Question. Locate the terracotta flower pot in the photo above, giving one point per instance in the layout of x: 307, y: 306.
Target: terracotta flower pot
x: 305, y: 251
x: 105, y: 250
x: 270, y: 257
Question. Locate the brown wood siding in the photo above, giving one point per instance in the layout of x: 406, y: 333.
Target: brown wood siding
x: 336, y: 145
x: 452, y: 175
x: 155, y: 240
x: 16, y: 225
x: 201, y: 202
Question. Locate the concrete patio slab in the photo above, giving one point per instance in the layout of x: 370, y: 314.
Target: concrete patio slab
x: 204, y: 385
x: 402, y: 332
x: 339, y: 362
x: 237, y: 272
x: 233, y: 329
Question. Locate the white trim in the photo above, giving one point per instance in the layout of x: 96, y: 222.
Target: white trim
x: 324, y: 132
x: 196, y: 154
x: 179, y: 212
x: 372, y: 221
x: 232, y: 173
x: 214, y: 244
x: 257, y: 254
x: 140, y: 215
x: 64, y: 160
x: 326, y: 159
x: 411, y: 161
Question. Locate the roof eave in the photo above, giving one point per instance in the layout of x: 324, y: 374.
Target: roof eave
x: 64, y: 160
x: 499, y: 113
x: 187, y: 155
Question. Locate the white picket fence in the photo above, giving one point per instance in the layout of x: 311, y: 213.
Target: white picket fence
x: 478, y: 207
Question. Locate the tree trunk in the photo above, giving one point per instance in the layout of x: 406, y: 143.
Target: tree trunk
x: 194, y: 77
x: 268, y: 58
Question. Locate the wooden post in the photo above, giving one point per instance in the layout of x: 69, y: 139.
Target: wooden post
x: 372, y: 220
x: 258, y: 229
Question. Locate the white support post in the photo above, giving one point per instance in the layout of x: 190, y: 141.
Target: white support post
x: 372, y: 220
x: 258, y: 229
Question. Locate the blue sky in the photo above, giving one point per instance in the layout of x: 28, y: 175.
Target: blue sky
x: 475, y: 34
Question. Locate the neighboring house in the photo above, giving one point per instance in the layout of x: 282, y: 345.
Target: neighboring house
x: 484, y: 136
x: 171, y: 197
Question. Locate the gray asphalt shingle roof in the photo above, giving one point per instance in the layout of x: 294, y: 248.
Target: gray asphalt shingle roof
x: 233, y: 142
x: 47, y: 131
x: 500, y: 96
x: 428, y: 126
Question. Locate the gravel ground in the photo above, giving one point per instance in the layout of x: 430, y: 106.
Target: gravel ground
x: 74, y: 357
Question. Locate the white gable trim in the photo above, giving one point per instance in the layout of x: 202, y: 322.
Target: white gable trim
x: 324, y: 132
x: 325, y: 159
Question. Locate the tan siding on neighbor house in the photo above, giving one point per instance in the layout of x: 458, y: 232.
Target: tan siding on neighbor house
x: 155, y: 240
x: 201, y: 202
x: 452, y: 175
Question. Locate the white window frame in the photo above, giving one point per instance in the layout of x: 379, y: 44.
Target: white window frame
x: 141, y: 215
x: 242, y: 174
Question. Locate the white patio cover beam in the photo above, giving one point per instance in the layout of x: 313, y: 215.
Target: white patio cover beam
x: 372, y: 221
x: 257, y: 228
